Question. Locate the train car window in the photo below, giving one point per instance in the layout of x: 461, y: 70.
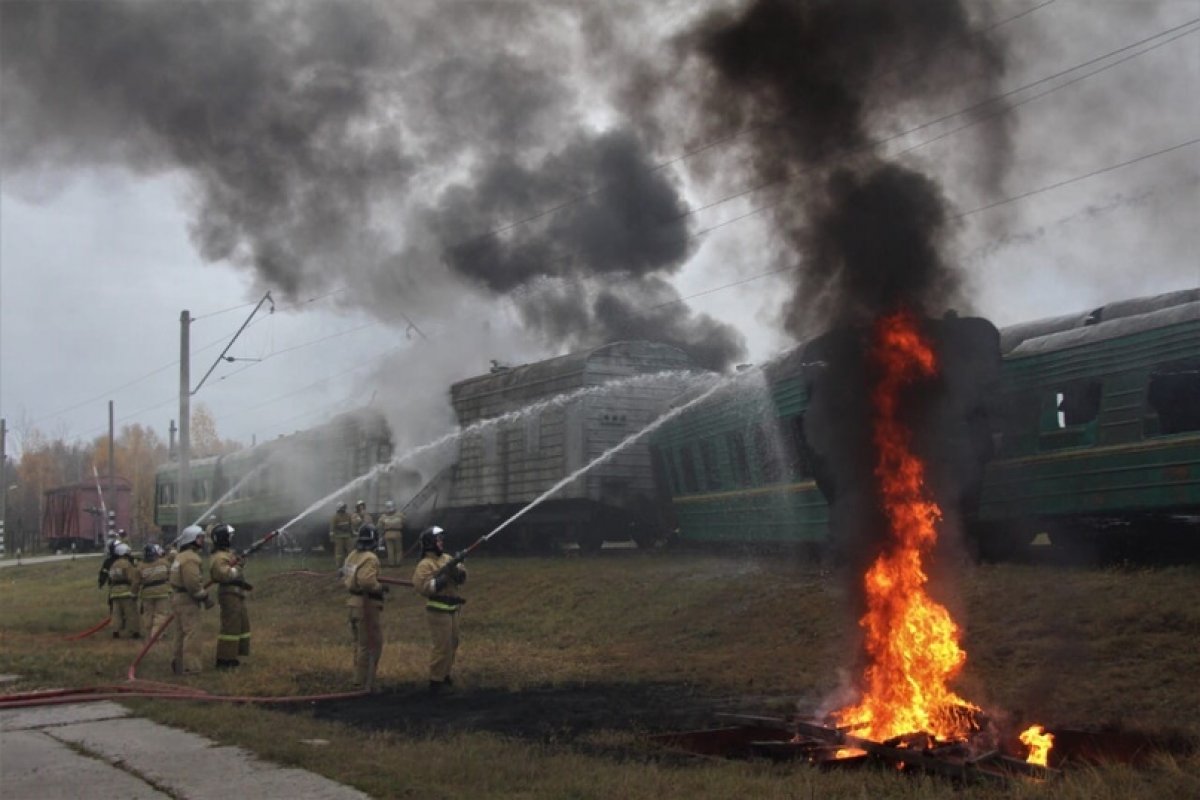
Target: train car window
x: 200, y: 491
x: 1174, y: 397
x: 767, y: 451
x: 708, y: 460
x: 738, y: 457
x: 690, y: 484
x: 1078, y: 404
x: 384, y: 452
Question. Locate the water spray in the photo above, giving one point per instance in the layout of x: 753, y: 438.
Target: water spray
x: 481, y: 425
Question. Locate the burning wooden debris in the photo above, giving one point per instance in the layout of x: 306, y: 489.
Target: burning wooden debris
x: 826, y: 746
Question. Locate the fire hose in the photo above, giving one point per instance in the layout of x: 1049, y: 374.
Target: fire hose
x: 141, y: 688
x: 95, y: 628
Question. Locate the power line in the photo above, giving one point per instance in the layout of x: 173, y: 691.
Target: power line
x: 570, y: 201
x: 1004, y: 201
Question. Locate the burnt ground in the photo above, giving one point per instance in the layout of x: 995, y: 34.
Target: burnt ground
x: 559, y: 714
x: 563, y: 715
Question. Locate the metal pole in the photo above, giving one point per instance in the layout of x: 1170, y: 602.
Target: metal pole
x: 112, y: 492
x: 3, y: 482
x: 183, y: 490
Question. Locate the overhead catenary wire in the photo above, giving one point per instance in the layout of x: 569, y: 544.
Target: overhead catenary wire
x: 1003, y: 201
x: 1174, y: 32
x: 533, y: 217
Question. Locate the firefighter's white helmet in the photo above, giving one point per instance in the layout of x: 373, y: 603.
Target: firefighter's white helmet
x: 189, y: 535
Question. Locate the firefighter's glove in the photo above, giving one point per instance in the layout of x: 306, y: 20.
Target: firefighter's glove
x: 247, y: 586
x: 439, y: 583
x: 459, y: 576
x: 208, y: 600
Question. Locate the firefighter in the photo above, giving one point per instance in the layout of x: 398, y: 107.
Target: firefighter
x: 437, y: 578
x: 360, y: 516
x: 341, y: 532
x: 360, y: 575
x: 155, y: 596
x: 109, y: 547
x: 392, y: 525
x: 188, y: 596
x: 225, y: 570
x: 123, y: 583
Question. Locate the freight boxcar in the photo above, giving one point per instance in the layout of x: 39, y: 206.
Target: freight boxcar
x: 538, y: 439
x: 73, y: 517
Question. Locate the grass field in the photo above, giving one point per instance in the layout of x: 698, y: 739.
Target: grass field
x: 1066, y: 647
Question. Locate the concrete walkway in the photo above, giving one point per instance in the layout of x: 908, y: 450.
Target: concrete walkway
x: 99, y: 750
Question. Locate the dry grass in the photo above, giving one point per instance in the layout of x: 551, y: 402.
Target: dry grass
x: 1067, y: 647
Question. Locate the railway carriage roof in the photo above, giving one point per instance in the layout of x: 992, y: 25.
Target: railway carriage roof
x: 564, y: 368
x: 1114, y: 328
x: 1013, y: 336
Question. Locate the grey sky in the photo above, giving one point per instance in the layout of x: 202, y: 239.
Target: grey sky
x: 98, y: 254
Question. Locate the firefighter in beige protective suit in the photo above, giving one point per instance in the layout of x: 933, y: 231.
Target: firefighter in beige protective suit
x: 437, y: 578
x: 341, y: 533
x: 360, y: 575
x: 225, y: 570
x: 392, y: 526
x: 360, y: 517
x: 123, y: 583
x: 155, y: 595
x: 188, y: 596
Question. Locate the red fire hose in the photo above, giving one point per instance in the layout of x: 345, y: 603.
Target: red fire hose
x: 97, y: 627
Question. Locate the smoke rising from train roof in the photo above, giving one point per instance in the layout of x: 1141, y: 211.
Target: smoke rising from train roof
x: 815, y: 86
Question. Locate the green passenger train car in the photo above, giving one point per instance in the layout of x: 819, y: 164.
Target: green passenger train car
x: 1098, y: 429
x: 1095, y: 422
x: 263, y: 487
x: 738, y: 469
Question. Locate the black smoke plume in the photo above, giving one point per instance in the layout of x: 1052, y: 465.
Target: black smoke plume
x: 368, y: 145
x: 811, y: 91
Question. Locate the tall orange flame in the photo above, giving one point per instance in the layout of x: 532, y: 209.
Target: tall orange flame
x: 911, y: 641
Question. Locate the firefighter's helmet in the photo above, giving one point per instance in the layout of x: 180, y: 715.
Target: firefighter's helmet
x: 222, y: 536
x: 368, y: 537
x: 431, y: 539
x: 389, y: 506
x: 360, y: 504
x: 190, y: 535
x: 151, y: 552
x: 341, y: 506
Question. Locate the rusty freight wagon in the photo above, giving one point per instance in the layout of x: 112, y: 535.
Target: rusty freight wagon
x: 528, y: 427
x: 74, y: 516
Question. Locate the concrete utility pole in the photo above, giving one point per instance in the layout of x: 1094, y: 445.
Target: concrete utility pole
x: 112, y: 472
x: 183, y: 490
x: 185, y: 393
x: 3, y: 481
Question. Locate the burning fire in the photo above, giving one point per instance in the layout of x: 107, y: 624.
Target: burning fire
x: 912, y: 642
x: 1039, y: 743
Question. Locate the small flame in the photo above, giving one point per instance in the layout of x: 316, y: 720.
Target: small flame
x: 1039, y: 743
x: 911, y: 641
